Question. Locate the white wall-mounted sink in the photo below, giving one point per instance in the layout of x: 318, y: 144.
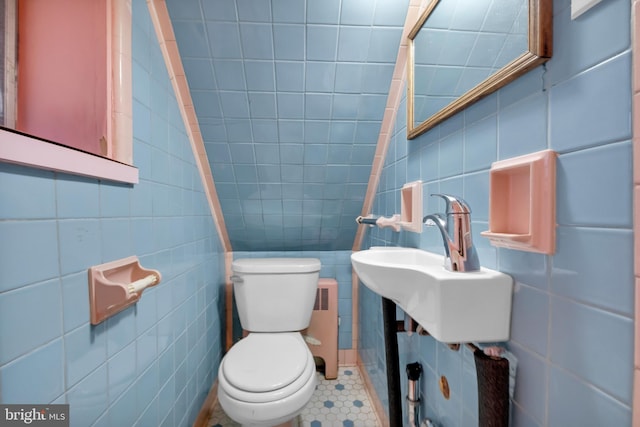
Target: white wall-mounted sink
x: 451, y: 306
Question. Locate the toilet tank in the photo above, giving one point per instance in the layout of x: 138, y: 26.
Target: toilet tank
x: 275, y: 294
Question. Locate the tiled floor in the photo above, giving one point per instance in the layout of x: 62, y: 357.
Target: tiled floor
x: 343, y: 402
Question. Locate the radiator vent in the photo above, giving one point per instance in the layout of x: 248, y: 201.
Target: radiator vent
x: 322, y: 333
x: 322, y: 300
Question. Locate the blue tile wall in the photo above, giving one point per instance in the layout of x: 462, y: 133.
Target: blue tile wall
x: 572, y: 318
x: 153, y: 363
x: 335, y: 265
x: 309, y: 78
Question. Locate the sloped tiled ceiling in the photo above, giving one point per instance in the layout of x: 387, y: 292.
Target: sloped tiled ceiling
x: 290, y: 96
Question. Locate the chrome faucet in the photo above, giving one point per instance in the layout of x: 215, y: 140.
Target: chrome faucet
x: 455, y: 227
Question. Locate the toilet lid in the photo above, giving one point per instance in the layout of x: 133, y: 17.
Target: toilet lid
x: 264, y: 362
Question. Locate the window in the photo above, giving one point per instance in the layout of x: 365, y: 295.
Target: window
x: 73, y: 98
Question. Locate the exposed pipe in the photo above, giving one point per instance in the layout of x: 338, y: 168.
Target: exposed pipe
x: 393, y: 362
x: 414, y: 370
x: 492, y: 372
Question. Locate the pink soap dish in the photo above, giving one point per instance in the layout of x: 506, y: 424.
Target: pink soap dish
x: 522, y: 203
x: 116, y: 285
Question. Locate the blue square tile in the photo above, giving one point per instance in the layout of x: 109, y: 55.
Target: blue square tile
x: 253, y: 11
x: 290, y: 105
x: 29, y: 240
x: 146, y: 350
x: 343, y: 154
x: 577, y: 183
x: 291, y: 11
x: 349, y: 78
x: 26, y: 193
x: 85, y: 350
x: 578, y: 273
x: 124, y: 410
x: 566, y: 403
x: 238, y: 130
x: 242, y: 153
x: 267, y: 153
x: 83, y: 406
x: 262, y: 105
x: 367, y: 132
x: 354, y: 12
x: 20, y: 329
x: 322, y: 42
x: 391, y: 13
x: 342, y: 132
x: 290, y: 76
x: 576, y: 48
x: 192, y: 37
x: 377, y: 79
x: 142, y: 87
x: 383, y: 45
x: 206, y: 104
x: 527, y: 122
x: 214, y: 11
x: 319, y: 76
x: 75, y: 294
x: 600, y: 102
x: 181, y: 10
x: 268, y: 173
x: 43, y: 367
x: 229, y: 74
x: 224, y: 39
x: 530, y: 321
x: 317, y: 131
x: 141, y: 122
x: 480, y: 144
x: 323, y: 11
x: 372, y: 107
x: 260, y: 75
x: 234, y: 104
x: 289, y: 42
x: 122, y: 370
x: 291, y: 130
x: 77, y: 197
x: 116, y: 239
x: 351, y: 42
x: 146, y: 386
x: 345, y: 106
x: 121, y: 330
x: 264, y: 130
x: 580, y: 339
x: 257, y: 41
x: 80, y: 245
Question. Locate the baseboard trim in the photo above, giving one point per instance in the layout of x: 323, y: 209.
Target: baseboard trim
x: 207, y: 406
x: 376, y: 403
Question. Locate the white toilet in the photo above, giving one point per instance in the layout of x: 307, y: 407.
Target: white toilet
x: 268, y: 377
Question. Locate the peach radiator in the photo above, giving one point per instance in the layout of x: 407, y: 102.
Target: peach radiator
x: 322, y: 333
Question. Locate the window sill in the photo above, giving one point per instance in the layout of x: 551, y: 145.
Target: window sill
x: 38, y: 153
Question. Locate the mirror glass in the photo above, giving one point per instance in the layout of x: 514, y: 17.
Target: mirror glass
x: 462, y: 50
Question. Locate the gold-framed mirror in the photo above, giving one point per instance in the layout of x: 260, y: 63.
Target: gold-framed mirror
x: 462, y: 50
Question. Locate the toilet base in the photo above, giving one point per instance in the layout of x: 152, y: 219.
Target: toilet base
x: 292, y: 423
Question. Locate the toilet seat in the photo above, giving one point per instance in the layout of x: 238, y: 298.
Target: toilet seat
x: 265, y: 367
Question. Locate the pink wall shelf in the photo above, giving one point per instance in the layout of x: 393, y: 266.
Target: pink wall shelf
x: 116, y: 285
x: 522, y: 203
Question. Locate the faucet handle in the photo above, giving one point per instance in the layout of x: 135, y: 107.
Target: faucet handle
x: 455, y: 205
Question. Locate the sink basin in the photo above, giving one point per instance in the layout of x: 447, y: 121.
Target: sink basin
x: 452, y: 306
